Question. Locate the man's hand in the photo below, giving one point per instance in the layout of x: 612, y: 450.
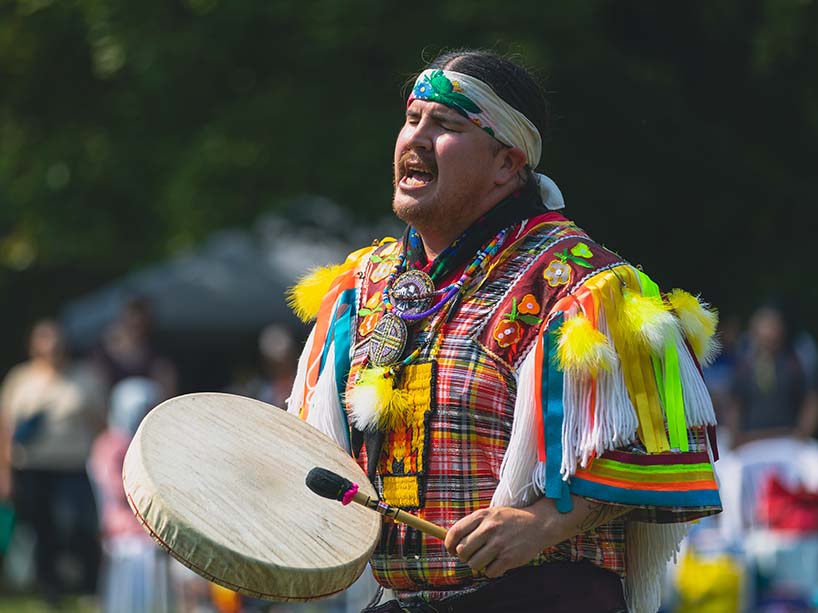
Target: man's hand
x: 497, y: 539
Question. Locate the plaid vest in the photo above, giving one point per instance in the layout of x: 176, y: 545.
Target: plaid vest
x: 445, y: 465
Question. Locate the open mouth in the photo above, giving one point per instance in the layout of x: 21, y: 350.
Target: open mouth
x: 417, y: 174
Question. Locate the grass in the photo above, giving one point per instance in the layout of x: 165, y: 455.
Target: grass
x: 32, y: 604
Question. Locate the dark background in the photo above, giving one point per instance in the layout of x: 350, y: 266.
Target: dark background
x: 685, y: 134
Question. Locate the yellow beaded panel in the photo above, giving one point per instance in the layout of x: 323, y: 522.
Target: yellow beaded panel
x: 402, y: 461
x: 401, y: 491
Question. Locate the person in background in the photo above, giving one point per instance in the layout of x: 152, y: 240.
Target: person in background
x: 135, y: 570
x: 719, y: 375
x: 772, y: 393
x: 279, y: 359
x: 127, y: 350
x: 272, y: 378
x: 51, y: 411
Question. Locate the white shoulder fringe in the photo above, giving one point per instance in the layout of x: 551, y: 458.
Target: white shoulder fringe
x: 324, y: 410
x: 296, y: 399
x: 517, y: 471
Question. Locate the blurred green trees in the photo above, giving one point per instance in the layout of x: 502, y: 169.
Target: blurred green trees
x: 685, y: 134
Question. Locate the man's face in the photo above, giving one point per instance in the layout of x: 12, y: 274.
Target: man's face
x: 444, y: 168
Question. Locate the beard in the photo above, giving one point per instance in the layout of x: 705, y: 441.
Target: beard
x: 414, y: 212
x: 435, y: 213
x: 433, y: 208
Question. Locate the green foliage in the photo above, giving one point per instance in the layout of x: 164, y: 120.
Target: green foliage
x: 131, y: 129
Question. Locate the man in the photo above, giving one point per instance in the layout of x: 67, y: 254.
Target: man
x: 500, y: 374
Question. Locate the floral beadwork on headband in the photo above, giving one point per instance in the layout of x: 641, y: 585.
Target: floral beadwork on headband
x: 436, y: 87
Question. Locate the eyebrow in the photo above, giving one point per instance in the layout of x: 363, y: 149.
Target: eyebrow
x: 440, y: 116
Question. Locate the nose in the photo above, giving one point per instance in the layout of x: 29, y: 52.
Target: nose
x: 419, y: 136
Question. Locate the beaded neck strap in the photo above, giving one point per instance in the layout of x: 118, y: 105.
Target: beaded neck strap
x: 523, y: 204
x: 452, y: 292
x: 448, y: 292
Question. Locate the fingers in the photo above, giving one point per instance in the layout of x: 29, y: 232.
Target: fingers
x: 473, y: 540
x: 496, y: 569
x: 494, y: 540
x: 460, y: 530
x: 481, y: 559
x: 490, y: 561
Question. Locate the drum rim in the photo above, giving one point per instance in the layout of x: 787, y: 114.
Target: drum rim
x: 208, y: 543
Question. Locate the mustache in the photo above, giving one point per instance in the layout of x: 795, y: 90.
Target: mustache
x: 417, y: 158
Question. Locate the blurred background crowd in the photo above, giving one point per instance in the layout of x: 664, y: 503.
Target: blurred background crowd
x: 168, y: 168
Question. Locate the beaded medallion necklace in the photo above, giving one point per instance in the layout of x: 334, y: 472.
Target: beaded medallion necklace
x: 410, y: 294
x: 408, y: 297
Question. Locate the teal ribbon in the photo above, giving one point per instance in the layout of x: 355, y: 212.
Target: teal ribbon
x: 553, y: 414
x: 340, y: 332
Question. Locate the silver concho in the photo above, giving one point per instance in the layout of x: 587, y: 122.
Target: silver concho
x: 412, y: 292
x: 388, y: 340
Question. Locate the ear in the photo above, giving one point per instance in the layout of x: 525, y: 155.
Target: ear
x: 510, y: 161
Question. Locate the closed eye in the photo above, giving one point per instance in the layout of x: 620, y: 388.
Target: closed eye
x: 447, y: 121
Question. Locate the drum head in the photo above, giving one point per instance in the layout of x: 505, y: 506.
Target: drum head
x: 218, y: 481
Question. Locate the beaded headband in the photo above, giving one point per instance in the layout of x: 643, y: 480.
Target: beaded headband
x: 476, y: 101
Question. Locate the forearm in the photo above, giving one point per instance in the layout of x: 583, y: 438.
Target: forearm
x: 496, y: 539
x: 584, y: 517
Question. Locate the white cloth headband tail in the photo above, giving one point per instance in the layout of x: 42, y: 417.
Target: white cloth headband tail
x: 549, y: 192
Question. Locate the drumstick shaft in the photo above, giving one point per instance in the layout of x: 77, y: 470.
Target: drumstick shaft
x: 397, y: 514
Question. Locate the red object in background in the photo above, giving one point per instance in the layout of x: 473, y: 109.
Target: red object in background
x: 787, y: 509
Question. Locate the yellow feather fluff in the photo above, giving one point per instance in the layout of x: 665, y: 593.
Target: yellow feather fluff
x: 699, y: 321
x: 375, y: 402
x: 583, y: 350
x: 305, y: 297
x: 646, y: 321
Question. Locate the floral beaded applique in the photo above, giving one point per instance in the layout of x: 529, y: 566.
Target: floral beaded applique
x: 436, y: 87
x: 529, y: 306
x: 371, y: 313
x: 384, y: 263
x: 509, y: 331
x: 559, y: 272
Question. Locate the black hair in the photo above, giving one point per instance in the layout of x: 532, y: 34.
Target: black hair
x: 515, y: 84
